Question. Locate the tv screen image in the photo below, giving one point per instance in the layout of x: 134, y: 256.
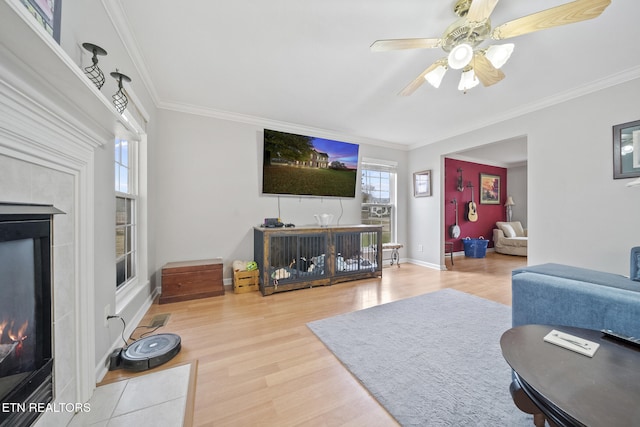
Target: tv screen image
x: 308, y: 166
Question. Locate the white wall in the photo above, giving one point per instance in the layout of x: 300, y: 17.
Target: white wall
x: 577, y: 213
x: 517, y: 188
x: 208, y: 190
x: 77, y: 28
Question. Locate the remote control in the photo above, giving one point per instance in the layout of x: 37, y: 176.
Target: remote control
x: 620, y: 337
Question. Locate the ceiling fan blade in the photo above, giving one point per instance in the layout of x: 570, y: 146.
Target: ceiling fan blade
x: 485, y: 71
x: 398, y: 44
x: 480, y: 10
x: 576, y: 11
x: 418, y: 81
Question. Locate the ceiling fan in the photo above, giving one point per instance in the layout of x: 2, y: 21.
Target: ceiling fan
x: 461, y: 40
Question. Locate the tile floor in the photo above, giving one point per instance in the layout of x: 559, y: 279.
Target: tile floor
x: 157, y: 399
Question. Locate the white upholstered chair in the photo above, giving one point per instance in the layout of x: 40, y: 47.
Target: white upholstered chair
x: 510, y: 238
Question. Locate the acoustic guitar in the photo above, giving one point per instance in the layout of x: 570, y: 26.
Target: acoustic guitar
x: 472, y: 212
x: 454, y: 230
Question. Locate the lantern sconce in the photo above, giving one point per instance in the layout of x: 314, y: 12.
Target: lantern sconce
x: 94, y: 72
x: 120, y: 100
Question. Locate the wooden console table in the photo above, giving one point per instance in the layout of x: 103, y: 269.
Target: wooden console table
x: 187, y: 280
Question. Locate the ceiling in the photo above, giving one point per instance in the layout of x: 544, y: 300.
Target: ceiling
x: 307, y: 64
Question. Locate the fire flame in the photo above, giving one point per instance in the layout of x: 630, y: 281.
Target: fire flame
x: 15, y: 335
x: 19, y: 335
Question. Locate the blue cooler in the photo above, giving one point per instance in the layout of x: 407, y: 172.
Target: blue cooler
x: 475, y: 248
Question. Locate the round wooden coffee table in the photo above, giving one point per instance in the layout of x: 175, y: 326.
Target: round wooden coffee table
x: 571, y: 389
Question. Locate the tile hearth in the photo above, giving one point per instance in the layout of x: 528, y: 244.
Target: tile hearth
x: 157, y: 399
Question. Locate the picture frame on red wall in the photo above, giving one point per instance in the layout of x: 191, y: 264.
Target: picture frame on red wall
x: 489, y: 189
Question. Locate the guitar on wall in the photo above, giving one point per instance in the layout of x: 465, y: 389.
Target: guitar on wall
x: 472, y: 211
x: 454, y: 230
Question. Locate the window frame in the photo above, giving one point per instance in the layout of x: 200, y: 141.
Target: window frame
x: 131, y: 195
x: 383, y: 166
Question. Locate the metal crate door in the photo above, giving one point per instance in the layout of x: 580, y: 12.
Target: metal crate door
x: 356, y: 251
x: 297, y: 257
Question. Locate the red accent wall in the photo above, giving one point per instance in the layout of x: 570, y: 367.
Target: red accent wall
x: 487, y: 214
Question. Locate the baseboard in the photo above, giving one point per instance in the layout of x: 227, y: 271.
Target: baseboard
x: 426, y: 264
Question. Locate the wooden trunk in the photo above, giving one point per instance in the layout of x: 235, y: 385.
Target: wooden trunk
x: 187, y: 280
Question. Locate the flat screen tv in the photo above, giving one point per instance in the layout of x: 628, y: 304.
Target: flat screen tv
x: 308, y: 166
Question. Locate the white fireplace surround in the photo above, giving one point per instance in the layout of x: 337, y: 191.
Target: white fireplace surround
x: 46, y: 160
x: 52, y: 120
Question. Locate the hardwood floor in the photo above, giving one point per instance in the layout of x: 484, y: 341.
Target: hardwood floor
x: 258, y: 363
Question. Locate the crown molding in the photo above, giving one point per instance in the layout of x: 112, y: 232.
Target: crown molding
x: 123, y: 28
x: 576, y: 92
x: 277, y: 125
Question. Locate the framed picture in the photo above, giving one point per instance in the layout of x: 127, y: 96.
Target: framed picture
x: 626, y: 150
x: 47, y: 13
x: 422, y: 184
x: 489, y: 189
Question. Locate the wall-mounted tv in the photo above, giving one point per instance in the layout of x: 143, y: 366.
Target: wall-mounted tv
x: 308, y: 166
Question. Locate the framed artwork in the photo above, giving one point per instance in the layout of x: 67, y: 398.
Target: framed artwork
x: 489, y: 189
x: 422, y: 184
x: 47, y: 13
x: 626, y: 150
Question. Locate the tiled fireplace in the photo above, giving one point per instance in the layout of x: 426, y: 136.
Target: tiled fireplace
x: 26, y: 362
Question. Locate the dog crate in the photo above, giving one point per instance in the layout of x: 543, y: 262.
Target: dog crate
x: 303, y: 257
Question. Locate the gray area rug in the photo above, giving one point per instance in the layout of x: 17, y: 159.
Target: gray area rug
x: 430, y: 360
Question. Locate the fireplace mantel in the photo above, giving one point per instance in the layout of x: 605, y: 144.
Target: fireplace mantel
x: 35, y: 66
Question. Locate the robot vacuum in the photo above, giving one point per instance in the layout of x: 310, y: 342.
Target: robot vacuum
x: 149, y: 352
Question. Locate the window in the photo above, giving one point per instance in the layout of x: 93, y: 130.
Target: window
x: 379, y: 196
x: 125, y: 212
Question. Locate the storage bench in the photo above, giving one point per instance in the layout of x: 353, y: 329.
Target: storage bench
x: 187, y: 280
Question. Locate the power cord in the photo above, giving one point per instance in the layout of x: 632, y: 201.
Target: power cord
x: 153, y: 329
x: 124, y: 326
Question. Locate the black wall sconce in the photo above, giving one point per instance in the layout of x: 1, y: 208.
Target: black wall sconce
x: 120, y: 100
x: 94, y: 72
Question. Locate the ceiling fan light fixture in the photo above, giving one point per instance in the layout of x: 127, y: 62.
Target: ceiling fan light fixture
x: 499, y: 54
x: 435, y: 76
x: 460, y: 56
x: 468, y: 80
